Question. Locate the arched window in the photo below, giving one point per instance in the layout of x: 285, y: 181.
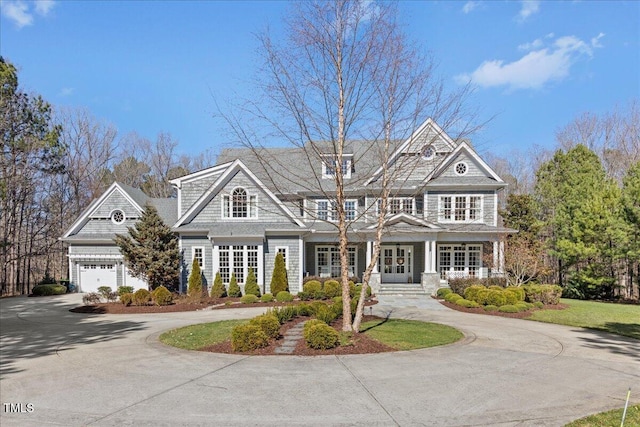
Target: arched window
x: 239, y: 205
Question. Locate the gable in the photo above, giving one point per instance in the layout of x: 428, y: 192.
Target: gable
x: 190, y: 187
x: 463, y: 166
x: 116, y: 200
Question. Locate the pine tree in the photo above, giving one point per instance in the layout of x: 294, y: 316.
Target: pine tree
x: 234, y: 289
x: 251, y: 285
x: 218, y: 290
x: 151, y: 251
x: 195, y: 280
x: 279, y: 280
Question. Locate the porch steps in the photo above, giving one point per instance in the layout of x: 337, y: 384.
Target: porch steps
x: 402, y: 289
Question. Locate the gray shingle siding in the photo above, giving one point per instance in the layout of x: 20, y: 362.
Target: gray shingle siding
x: 293, y: 253
x: 116, y: 201
x: 208, y: 275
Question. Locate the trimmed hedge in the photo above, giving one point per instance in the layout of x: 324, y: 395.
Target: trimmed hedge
x: 248, y: 337
x: 490, y: 308
x: 141, y: 297
x: 268, y: 323
x: 266, y: 297
x: 249, y: 299
x: 443, y: 292
x: 452, y: 297
x: 546, y: 294
x: 332, y: 288
x: 467, y: 303
x: 508, y: 309
x: 321, y: 336
x: 284, y: 296
x: 46, y: 290
x: 162, y: 296
x: 126, y: 298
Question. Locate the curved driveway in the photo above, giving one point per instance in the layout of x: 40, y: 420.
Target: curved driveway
x: 77, y: 369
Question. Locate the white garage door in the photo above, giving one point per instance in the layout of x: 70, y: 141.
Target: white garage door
x: 134, y: 282
x: 93, y: 275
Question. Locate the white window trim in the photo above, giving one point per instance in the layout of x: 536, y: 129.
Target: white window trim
x: 466, y: 168
x: 332, y: 215
x: 467, y: 209
x: 337, y: 164
x: 473, y: 247
x: 335, y: 248
x: 226, y: 203
x: 193, y: 255
x: 286, y: 257
x: 402, y: 199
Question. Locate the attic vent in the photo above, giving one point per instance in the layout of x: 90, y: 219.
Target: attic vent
x: 428, y: 152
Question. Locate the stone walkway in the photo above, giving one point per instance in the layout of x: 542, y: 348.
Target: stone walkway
x: 290, y: 339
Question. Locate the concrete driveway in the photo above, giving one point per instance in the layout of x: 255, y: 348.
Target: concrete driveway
x: 62, y: 368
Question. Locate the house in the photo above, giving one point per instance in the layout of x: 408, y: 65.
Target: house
x: 441, y: 220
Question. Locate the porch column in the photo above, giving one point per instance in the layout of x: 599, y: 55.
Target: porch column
x: 301, y: 258
x: 496, y: 260
x: 434, y: 265
x: 501, y: 257
x: 369, y: 253
x: 427, y: 256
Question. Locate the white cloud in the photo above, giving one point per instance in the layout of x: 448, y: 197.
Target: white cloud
x: 470, y: 6
x: 535, y: 69
x: 44, y: 6
x: 20, y: 12
x: 528, y: 8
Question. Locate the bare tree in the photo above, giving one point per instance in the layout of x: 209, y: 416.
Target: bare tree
x: 346, y: 72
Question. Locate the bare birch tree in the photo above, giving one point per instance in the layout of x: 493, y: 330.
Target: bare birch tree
x: 345, y: 72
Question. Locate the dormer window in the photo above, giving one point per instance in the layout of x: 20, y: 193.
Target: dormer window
x: 239, y: 204
x: 329, y: 167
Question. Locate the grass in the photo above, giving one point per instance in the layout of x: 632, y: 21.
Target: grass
x: 396, y: 333
x: 610, y: 418
x: 620, y: 319
x: 410, y: 334
x: 195, y: 337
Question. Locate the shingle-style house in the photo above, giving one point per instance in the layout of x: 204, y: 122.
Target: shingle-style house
x: 441, y: 222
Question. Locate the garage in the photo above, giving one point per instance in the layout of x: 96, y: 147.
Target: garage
x: 93, y: 275
x: 134, y: 282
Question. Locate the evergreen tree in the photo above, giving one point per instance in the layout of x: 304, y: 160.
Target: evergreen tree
x: 279, y: 280
x: 631, y: 216
x: 234, y: 289
x: 251, y: 285
x: 218, y: 290
x: 151, y: 251
x: 195, y: 280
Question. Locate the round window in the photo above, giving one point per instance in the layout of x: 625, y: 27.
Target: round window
x: 428, y: 152
x: 461, y: 168
x: 117, y: 216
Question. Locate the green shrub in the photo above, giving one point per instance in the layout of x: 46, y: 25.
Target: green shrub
x: 249, y: 299
x: 234, y: 289
x: 126, y: 298
x: 471, y: 293
x: 352, y: 288
x: 358, y: 291
x: 490, y: 308
x: 266, y: 297
x: 518, y: 291
x: 141, y: 297
x: 326, y: 314
x: 195, y: 280
x: 312, y: 286
x: 251, y: 284
x: 279, y: 281
x: 309, y: 323
x: 218, y: 290
x: 332, y: 288
x: 522, y: 306
x: 443, y: 292
x: 459, y: 285
x: 269, y: 324
x: 125, y: 290
x: 452, y: 297
x: 337, y: 307
x: 91, y: 298
x: 284, y: 296
x: 538, y: 304
x: 481, y: 296
x: 46, y: 290
x: 162, y: 296
x: 496, y: 297
x: 321, y: 337
x: 248, y: 337
x: 283, y: 314
x: 508, y: 308
x: 467, y: 303
x: 304, y: 310
x: 510, y: 297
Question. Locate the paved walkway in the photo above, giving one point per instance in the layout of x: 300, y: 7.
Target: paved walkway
x: 111, y: 370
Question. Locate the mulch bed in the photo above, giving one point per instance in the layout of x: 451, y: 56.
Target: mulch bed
x: 361, y: 343
x: 520, y: 315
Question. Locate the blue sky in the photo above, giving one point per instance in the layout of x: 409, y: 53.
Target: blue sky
x: 156, y: 66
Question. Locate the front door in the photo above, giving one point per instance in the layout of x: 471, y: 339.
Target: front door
x: 396, y: 263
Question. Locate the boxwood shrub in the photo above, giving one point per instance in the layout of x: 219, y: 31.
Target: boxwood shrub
x: 452, y: 297
x: 126, y: 298
x: 466, y: 303
x: 268, y: 323
x: 266, y: 298
x: 496, y: 297
x: 490, y: 308
x: 141, y: 297
x: 49, y: 289
x: 162, y: 296
x: 508, y: 308
x: 321, y: 337
x: 443, y: 292
x: 332, y: 288
x: 471, y: 293
x: 546, y: 294
x: 249, y: 299
x: 284, y: 296
x: 248, y: 337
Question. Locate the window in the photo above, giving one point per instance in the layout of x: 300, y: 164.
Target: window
x: 238, y: 259
x: 239, y: 205
x: 326, y: 210
x: 198, y: 254
x: 428, y: 152
x: 396, y: 205
x: 328, y: 260
x: 283, y: 250
x: 459, y: 260
x: 460, y: 208
x: 461, y: 168
x: 117, y: 216
x: 329, y: 167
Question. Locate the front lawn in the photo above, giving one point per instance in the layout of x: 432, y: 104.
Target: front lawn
x: 195, y: 337
x: 621, y: 319
x: 610, y: 418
